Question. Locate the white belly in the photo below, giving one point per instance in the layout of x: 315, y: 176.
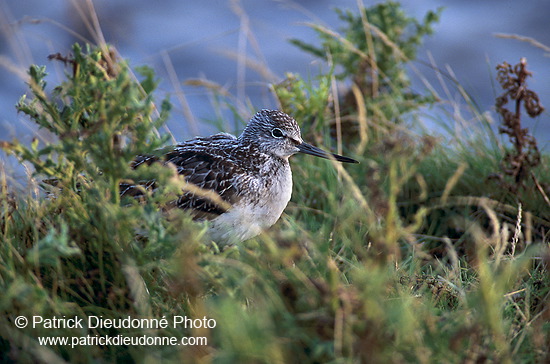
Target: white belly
x: 246, y: 220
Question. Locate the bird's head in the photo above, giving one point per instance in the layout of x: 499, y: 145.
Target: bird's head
x: 278, y: 134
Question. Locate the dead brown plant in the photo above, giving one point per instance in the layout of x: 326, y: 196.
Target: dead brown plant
x: 525, y: 156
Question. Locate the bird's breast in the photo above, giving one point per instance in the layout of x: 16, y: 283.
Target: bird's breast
x: 263, y: 198
x: 278, y: 190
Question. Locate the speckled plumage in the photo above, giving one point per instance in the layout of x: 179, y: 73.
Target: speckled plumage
x: 250, y: 173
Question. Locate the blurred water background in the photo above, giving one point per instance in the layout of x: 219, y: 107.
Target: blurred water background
x: 203, y: 39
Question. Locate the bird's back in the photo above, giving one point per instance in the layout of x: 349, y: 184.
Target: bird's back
x: 206, y: 163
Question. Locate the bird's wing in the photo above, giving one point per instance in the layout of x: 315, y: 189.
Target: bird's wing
x: 205, y: 164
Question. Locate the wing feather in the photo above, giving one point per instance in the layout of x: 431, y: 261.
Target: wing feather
x: 204, y: 163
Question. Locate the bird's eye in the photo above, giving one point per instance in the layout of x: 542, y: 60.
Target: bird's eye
x: 277, y: 133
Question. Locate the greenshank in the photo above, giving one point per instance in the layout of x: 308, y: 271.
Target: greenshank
x: 250, y: 173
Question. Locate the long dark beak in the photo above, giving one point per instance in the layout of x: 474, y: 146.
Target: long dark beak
x: 310, y: 149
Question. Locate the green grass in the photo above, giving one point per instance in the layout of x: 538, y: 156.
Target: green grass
x: 410, y: 256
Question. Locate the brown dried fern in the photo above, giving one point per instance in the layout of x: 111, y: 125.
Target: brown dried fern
x: 525, y: 156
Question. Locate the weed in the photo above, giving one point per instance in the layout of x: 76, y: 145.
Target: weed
x: 526, y: 156
x: 371, y: 52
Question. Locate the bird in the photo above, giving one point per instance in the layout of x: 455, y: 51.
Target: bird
x: 250, y: 174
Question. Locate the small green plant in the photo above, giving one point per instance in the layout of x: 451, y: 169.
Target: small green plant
x: 100, y: 117
x: 372, y: 51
